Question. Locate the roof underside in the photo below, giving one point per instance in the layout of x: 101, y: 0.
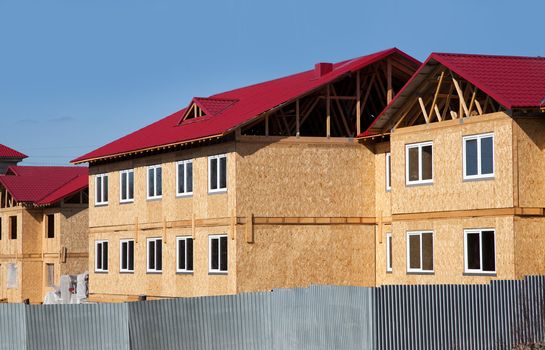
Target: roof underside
x: 44, y: 185
x: 514, y: 82
x: 229, y: 110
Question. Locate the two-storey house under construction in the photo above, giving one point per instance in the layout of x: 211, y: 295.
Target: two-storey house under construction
x: 43, y: 229
x: 252, y: 189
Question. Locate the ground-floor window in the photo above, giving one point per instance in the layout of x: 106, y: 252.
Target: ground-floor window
x: 184, y: 254
x: 218, y: 254
x: 12, y: 276
x: 480, y: 251
x: 155, y: 255
x: 388, y: 252
x: 420, y: 251
x: 50, y: 270
x: 101, y: 256
x: 126, y: 255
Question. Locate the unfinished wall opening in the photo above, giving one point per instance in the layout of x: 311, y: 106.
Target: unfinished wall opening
x: 50, y: 275
x: 342, y: 108
x: 13, y: 227
x: 50, y: 226
x: 82, y: 197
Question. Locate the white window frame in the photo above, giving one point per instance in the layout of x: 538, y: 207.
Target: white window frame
x: 184, y: 163
x: 154, y: 270
x: 121, y: 173
x: 102, y: 257
x: 419, y: 145
x: 218, y: 270
x: 186, y: 270
x: 388, y: 249
x: 154, y: 195
x: 388, y: 171
x: 419, y: 233
x: 121, y: 242
x: 479, y: 271
x: 218, y: 189
x: 479, y: 174
x: 103, y: 189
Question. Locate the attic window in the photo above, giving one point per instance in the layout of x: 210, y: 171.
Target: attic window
x: 194, y: 112
x: 207, y: 106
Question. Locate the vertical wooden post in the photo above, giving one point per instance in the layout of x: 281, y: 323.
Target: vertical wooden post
x: 267, y: 125
x: 390, y: 92
x: 358, y: 104
x: 328, y: 111
x: 297, y: 119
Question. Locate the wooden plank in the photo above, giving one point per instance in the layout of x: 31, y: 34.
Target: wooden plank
x: 472, y: 102
x: 434, y: 101
x: 438, y: 113
x: 478, y: 106
x: 250, y: 229
x: 461, y: 96
x: 358, y: 104
x: 328, y: 114
x: 193, y: 224
x: 390, y: 91
x: 447, y: 103
x: 379, y: 228
x: 297, y: 122
x: 423, y: 108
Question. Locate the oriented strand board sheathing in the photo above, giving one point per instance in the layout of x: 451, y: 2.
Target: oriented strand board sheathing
x: 529, y: 246
x: 449, y: 191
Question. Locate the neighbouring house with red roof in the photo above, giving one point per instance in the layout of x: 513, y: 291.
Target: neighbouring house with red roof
x: 9, y: 157
x: 43, y: 229
x: 377, y: 170
x: 252, y: 189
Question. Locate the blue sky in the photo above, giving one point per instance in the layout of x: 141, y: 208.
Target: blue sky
x: 76, y: 74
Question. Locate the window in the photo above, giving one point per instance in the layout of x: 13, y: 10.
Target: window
x: 12, y: 276
x: 126, y: 255
x: 480, y: 251
x: 420, y: 251
x: 50, y: 218
x: 0, y: 228
x: 155, y: 255
x: 388, y: 252
x: 419, y: 160
x: 184, y: 256
x: 218, y: 254
x: 126, y: 185
x: 388, y: 172
x: 217, y: 173
x: 101, y: 256
x: 478, y: 156
x: 184, y: 178
x: 50, y: 270
x: 13, y: 227
x: 155, y: 182
x: 101, y: 185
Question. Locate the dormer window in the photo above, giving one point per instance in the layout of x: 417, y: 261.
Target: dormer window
x: 206, y: 106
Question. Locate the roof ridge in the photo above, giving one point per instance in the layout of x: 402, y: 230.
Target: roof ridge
x: 488, y: 55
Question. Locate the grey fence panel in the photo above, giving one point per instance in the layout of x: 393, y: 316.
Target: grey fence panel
x: 227, y: 322
x: 323, y: 317
x: 12, y: 327
x: 92, y: 326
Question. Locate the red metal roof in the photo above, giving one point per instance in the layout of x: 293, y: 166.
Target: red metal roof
x: 251, y: 101
x: 43, y: 185
x: 513, y: 81
x: 6, y: 152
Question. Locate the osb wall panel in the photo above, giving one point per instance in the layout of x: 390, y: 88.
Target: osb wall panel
x: 287, y: 256
x: 448, y: 256
x: 304, y: 179
x: 382, y: 196
x: 169, y: 207
x: 529, y: 246
x: 9, y: 246
x: 165, y: 284
x: 32, y: 230
x: 74, y: 231
x: 530, y: 147
x: 449, y: 191
x: 32, y: 281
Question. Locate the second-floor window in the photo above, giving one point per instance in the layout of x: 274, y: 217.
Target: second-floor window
x: 420, y: 251
x: 155, y: 255
x: 50, y: 226
x: 388, y: 171
x: 217, y: 173
x: 101, y: 189
x: 126, y: 257
x: 184, y: 178
x: 101, y: 256
x: 419, y: 163
x: 478, y: 156
x: 155, y: 182
x: 13, y: 227
x: 126, y: 185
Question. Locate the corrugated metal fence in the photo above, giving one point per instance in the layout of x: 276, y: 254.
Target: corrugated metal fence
x: 494, y: 316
